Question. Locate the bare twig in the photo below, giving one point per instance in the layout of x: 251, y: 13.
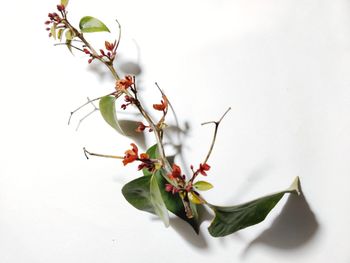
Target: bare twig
x: 217, y: 123
x: 87, y: 115
x: 86, y: 152
x: 86, y: 103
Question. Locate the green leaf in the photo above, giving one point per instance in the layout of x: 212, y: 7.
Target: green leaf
x: 89, y: 24
x: 194, y: 198
x: 137, y: 193
x: 157, y: 201
x: 203, y: 186
x: 69, y: 35
x: 59, y: 34
x: 69, y: 45
x: 174, y: 204
x: 53, y: 31
x: 108, y: 112
x: 230, y: 219
x: 64, y: 2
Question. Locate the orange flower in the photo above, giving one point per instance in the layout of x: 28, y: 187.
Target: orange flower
x: 131, y: 155
x: 123, y: 84
x: 163, y: 104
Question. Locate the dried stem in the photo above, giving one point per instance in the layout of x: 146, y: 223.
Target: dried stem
x: 217, y: 123
x: 86, y: 152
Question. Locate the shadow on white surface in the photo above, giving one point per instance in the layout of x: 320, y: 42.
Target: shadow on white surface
x: 293, y: 228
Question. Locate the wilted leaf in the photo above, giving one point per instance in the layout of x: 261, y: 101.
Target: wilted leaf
x: 108, y: 112
x: 157, y: 201
x: 230, y: 219
x: 89, y: 24
x: 203, y: 186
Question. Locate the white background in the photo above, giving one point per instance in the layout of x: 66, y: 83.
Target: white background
x: 283, y: 67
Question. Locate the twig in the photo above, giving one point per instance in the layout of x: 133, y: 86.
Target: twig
x: 87, y: 115
x: 86, y: 152
x: 217, y: 123
x: 86, y: 103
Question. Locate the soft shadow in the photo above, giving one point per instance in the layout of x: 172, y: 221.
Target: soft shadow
x: 186, y: 231
x: 294, y: 227
x: 129, y: 128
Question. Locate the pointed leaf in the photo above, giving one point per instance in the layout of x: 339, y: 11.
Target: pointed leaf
x: 53, y: 31
x: 69, y: 45
x: 230, y: 219
x: 64, y: 2
x: 203, y: 186
x: 89, y: 24
x: 108, y: 112
x: 157, y: 201
x: 194, y: 198
x: 59, y: 34
x: 69, y: 35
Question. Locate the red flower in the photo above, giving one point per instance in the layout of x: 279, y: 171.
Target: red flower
x: 123, y: 84
x: 204, y: 167
x: 163, y: 104
x: 175, y: 173
x: 109, y: 46
x: 131, y: 155
x: 171, y: 188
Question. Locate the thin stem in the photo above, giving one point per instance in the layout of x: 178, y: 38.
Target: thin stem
x: 65, y: 44
x: 86, y: 152
x: 217, y: 123
x: 86, y: 103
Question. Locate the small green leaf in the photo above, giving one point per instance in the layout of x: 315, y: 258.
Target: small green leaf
x: 230, y: 219
x: 69, y: 45
x: 108, y: 112
x: 194, y: 198
x: 89, y: 24
x: 157, y: 201
x: 203, y: 186
x: 59, y: 34
x: 69, y: 35
x: 64, y: 2
x: 53, y: 31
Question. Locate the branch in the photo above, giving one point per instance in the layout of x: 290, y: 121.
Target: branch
x: 86, y: 152
x: 217, y: 123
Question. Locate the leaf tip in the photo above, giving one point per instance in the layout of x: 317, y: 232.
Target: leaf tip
x: 295, y: 186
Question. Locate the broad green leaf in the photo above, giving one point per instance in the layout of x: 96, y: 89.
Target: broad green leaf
x: 203, y: 185
x: 137, y: 193
x: 230, y: 219
x: 157, y: 201
x: 174, y: 204
x: 53, y: 31
x: 59, y: 34
x: 64, y: 2
x: 89, y: 24
x: 194, y: 198
x: 108, y: 112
